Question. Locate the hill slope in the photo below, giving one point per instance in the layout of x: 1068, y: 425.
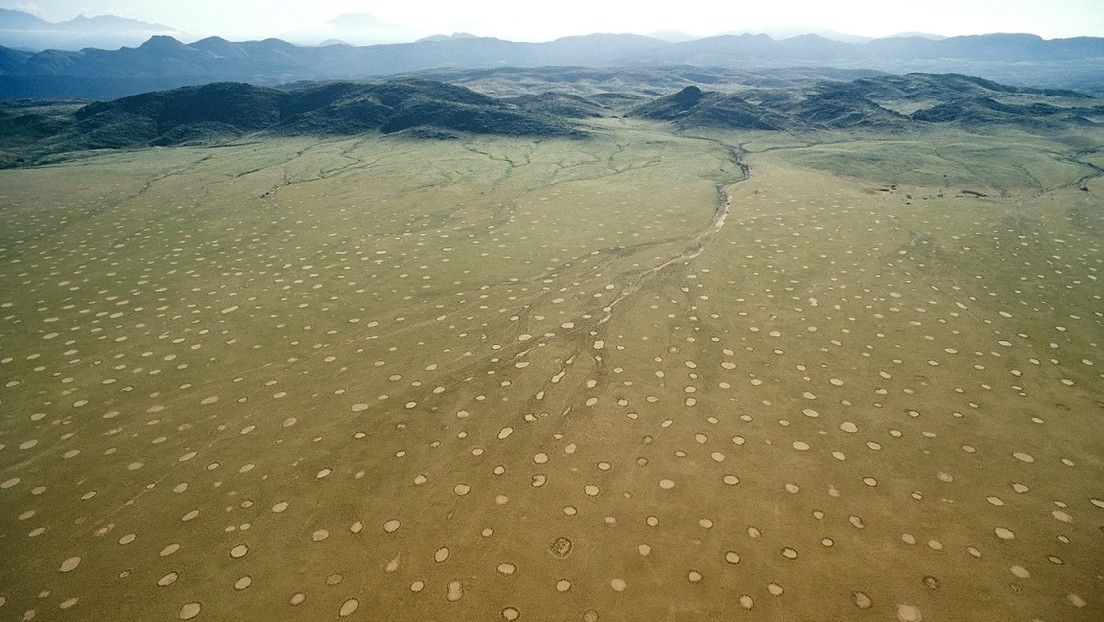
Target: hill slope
x: 884, y: 103
x: 226, y: 110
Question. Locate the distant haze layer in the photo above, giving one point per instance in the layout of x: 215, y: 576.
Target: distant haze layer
x: 390, y: 22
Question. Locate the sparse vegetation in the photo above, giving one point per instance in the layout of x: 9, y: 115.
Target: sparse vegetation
x: 412, y: 351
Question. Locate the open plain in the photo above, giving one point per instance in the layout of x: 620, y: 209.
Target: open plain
x: 645, y: 375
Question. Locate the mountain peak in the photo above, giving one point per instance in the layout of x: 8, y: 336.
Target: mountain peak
x: 114, y: 20
x: 10, y: 19
x: 220, y: 47
x: 689, y: 96
x: 161, y: 42
x: 452, y: 37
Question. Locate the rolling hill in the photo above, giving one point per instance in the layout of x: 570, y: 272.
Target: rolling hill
x: 34, y: 131
x: 227, y: 110
x: 889, y: 103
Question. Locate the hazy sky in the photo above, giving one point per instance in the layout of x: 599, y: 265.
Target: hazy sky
x: 542, y: 21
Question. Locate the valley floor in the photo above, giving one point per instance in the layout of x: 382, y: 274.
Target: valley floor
x: 610, y: 379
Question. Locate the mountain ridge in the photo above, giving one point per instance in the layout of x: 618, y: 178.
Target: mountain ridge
x: 163, y: 61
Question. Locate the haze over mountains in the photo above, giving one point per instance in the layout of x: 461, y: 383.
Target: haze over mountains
x: 28, y: 32
x: 163, y: 61
x: 25, y: 31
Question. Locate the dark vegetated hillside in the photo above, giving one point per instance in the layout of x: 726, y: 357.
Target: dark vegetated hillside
x: 247, y: 108
x: 920, y: 86
x: 28, y: 121
x: 839, y: 107
x: 427, y: 108
x: 825, y: 108
x: 740, y: 114
x: 982, y: 111
x: 868, y: 104
x: 355, y: 107
x: 28, y: 127
x: 469, y: 118
x: 562, y: 105
x: 350, y: 107
x: 691, y: 107
x: 228, y: 110
x: 395, y: 94
x: 11, y: 59
x: 674, y: 107
x: 343, y: 115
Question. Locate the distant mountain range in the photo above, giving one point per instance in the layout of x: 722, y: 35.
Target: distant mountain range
x: 163, y: 62
x: 21, y: 30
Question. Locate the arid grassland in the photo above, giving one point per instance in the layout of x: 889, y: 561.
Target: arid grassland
x: 638, y: 376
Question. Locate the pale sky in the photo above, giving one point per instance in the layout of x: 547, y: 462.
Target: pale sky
x: 543, y: 21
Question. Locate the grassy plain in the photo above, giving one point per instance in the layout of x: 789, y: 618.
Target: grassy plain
x: 604, y: 379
